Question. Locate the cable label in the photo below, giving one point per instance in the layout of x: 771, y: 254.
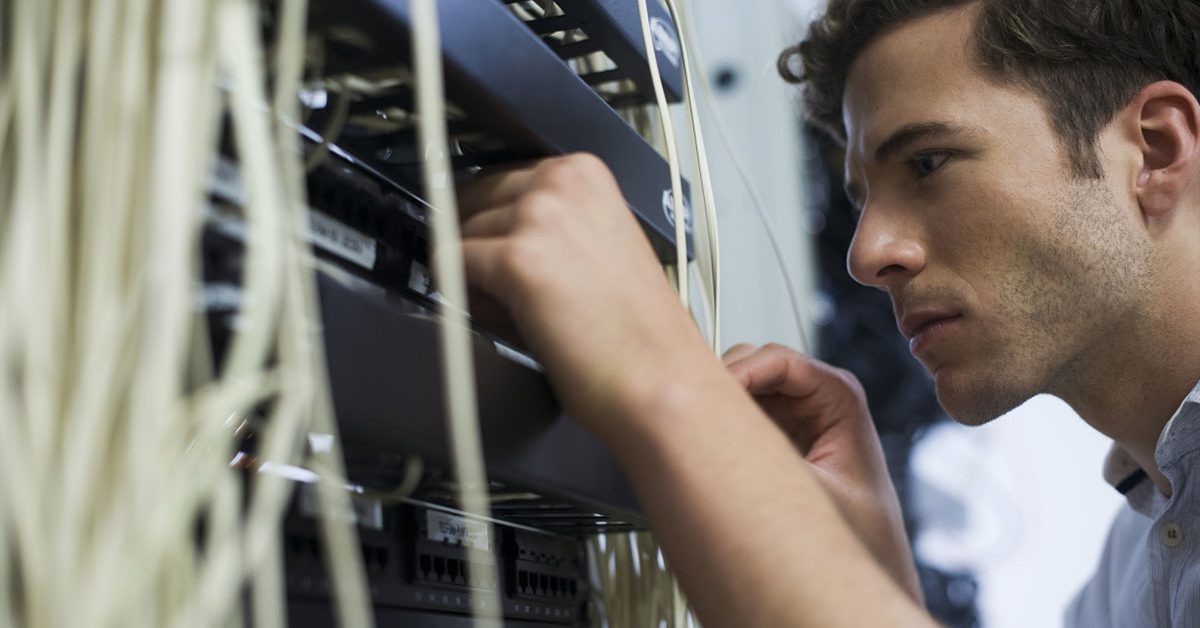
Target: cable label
x: 366, y: 513
x: 341, y: 240
x: 445, y: 528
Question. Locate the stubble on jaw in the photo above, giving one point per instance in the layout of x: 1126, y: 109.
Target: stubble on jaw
x: 1066, y: 291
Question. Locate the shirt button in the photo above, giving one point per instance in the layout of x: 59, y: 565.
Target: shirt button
x: 1172, y: 534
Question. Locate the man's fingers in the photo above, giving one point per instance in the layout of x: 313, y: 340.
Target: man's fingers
x: 483, y: 262
x: 491, y: 223
x: 778, y: 370
x: 737, y: 352
x: 801, y: 428
x: 493, y: 316
x: 494, y: 188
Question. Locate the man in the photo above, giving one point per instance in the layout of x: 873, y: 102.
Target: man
x: 1027, y: 172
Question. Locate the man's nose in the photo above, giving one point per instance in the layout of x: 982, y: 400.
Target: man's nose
x: 886, y: 251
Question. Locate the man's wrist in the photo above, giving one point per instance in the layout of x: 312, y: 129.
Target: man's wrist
x: 655, y: 400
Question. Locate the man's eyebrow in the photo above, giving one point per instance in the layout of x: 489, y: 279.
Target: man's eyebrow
x: 898, y: 141
x: 912, y: 133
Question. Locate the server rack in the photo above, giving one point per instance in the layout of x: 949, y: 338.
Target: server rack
x: 514, y: 93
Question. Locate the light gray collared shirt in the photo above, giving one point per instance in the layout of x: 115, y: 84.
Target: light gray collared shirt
x: 1149, y: 573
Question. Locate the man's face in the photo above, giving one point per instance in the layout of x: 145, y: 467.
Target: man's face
x: 1005, y: 269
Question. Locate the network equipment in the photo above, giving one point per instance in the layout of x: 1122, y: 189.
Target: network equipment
x: 523, y: 80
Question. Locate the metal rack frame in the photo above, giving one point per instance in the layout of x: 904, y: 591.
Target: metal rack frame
x: 512, y: 84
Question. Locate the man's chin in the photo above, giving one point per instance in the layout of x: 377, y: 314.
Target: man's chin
x: 973, y: 401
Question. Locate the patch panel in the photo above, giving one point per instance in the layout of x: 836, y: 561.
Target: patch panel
x: 510, y: 97
x: 385, y: 388
x: 523, y: 80
x: 411, y: 569
x: 544, y: 570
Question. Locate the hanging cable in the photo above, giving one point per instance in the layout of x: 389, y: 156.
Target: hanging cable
x: 457, y: 358
x: 111, y: 119
x: 757, y: 202
x: 705, y: 178
x: 664, y: 114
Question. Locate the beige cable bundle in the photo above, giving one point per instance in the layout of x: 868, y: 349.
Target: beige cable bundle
x: 118, y: 505
x: 632, y: 585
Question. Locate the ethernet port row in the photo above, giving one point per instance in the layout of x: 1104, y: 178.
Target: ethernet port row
x: 454, y: 571
x: 545, y: 585
x: 375, y: 559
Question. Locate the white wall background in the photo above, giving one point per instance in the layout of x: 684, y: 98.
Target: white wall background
x: 1035, y: 509
x: 759, y: 114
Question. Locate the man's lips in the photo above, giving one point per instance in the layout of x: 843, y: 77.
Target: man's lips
x: 926, y: 328
x: 915, y: 323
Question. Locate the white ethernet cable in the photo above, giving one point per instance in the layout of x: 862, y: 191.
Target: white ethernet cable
x: 707, y: 249
x: 333, y: 128
x: 709, y: 223
x: 610, y: 554
x: 457, y: 357
x: 664, y: 115
x: 302, y: 331
x: 632, y: 584
x: 614, y: 559
x: 756, y: 200
x: 116, y: 430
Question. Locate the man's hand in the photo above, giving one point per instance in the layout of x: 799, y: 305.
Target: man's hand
x: 552, y: 250
x: 553, y: 254
x: 824, y: 412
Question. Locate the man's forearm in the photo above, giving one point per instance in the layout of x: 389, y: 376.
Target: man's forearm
x: 747, y: 527
x: 751, y: 533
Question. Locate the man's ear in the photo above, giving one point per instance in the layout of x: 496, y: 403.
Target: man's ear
x: 1168, y: 119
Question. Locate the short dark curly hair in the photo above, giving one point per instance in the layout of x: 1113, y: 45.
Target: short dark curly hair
x: 1086, y: 59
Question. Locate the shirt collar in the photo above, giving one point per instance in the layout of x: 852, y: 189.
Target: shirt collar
x: 1182, y: 433
x: 1179, y: 437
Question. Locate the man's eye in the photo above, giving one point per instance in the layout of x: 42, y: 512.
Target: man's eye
x: 926, y: 163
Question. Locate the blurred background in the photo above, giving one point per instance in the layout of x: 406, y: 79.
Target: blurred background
x: 1007, y: 520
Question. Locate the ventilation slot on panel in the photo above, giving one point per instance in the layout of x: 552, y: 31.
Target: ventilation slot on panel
x: 605, y: 49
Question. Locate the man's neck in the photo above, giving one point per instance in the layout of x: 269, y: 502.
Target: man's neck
x: 1132, y: 388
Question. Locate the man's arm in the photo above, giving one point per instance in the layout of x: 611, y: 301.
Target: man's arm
x: 824, y: 412
x: 749, y: 530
